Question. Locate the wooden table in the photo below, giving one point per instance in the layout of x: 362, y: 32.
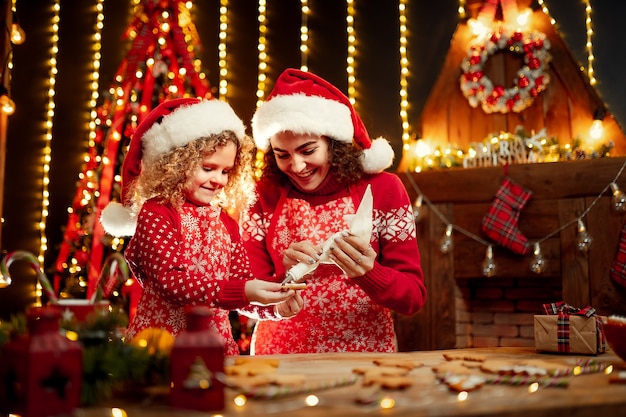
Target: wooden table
x: 585, y: 395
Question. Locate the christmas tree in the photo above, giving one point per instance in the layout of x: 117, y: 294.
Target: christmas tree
x: 160, y: 64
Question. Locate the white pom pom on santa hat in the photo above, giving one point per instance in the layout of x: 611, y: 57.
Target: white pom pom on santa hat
x: 302, y: 102
x: 170, y: 125
x: 117, y: 220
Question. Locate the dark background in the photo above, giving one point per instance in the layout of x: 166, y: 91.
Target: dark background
x: 431, y: 26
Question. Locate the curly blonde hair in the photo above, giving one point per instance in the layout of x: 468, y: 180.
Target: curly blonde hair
x: 166, y: 177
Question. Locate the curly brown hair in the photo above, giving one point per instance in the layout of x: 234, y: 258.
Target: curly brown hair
x: 166, y: 177
x: 345, y: 164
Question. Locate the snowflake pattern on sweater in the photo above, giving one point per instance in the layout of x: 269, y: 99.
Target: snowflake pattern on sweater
x: 186, y: 264
x: 340, y: 314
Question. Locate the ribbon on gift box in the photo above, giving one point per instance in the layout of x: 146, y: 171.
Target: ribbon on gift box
x: 563, y: 312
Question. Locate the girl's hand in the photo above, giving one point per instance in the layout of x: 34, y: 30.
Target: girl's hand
x: 264, y: 293
x: 290, y: 307
x: 352, y: 254
x: 301, y: 252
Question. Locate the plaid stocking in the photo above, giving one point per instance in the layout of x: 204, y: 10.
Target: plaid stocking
x: 618, y: 267
x: 500, y: 223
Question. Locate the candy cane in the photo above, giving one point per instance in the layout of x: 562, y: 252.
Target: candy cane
x: 115, y: 270
x: 34, y: 263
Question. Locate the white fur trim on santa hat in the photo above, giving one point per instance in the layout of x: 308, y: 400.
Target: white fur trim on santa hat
x: 301, y: 114
x: 118, y: 220
x: 188, y: 123
x: 378, y: 157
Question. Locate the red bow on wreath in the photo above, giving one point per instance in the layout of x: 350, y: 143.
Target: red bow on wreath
x: 563, y: 311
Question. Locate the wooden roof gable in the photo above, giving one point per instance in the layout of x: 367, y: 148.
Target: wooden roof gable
x: 566, y: 108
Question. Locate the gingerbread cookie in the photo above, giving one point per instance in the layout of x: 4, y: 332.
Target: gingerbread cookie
x: 255, y: 381
x: 247, y: 381
x: 294, y: 286
x: 460, y: 383
x: 255, y: 360
x: 382, y: 371
x: 470, y: 357
x: 287, y: 380
x: 391, y: 362
x: 456, y: 366
x: 388, y: 382
x: 247, y: 366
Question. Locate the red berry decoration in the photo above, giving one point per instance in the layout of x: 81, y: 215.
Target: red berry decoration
x: 523, y: 81
x: 534, y: 63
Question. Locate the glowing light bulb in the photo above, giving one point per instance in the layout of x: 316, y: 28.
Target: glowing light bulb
x: 446, y: 244
x: 7, y: 106
x: 596, y: 131
x: 417, y: 206
x: 583, y: 240
x: 619, y: 199
x: 489, y: 266
x: 18, y: 36
x: 537, y: 263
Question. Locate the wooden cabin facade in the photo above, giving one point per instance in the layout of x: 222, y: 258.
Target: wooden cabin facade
x: 464, y: 308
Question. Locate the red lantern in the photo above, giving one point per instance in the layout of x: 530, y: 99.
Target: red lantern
x: 196, y: 357
x: 41, y: 372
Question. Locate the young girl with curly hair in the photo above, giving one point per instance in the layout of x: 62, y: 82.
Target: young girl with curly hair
x: 187, y: 174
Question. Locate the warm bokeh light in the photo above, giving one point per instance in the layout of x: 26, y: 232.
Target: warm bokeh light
x: 304, y: 35
x: 222, y: 63
x: 404, y: 72
x: 351, y: 53
x: 262, y: 53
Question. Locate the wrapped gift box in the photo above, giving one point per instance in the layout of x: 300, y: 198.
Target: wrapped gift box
x: 569, y: 330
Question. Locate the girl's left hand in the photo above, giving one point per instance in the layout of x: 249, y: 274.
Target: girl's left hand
x: 265, y: 293
x: 352, y: 254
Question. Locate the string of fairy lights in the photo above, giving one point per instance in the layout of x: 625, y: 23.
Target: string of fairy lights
x: 262, y: 52
x: 221, y: 50
x: 588, y: 32
x: 304, y: 35
x: 537, y: 263
x: 404, y: 73
x: 351, y: 51
x: 47, y: 138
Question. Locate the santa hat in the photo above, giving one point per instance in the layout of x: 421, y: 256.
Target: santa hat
x: 303, y: 103
x: 170, y: 125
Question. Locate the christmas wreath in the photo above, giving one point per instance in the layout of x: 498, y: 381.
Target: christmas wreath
x: 530, y: 80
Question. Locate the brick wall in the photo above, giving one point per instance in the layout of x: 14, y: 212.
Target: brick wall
x: 499, y: 312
